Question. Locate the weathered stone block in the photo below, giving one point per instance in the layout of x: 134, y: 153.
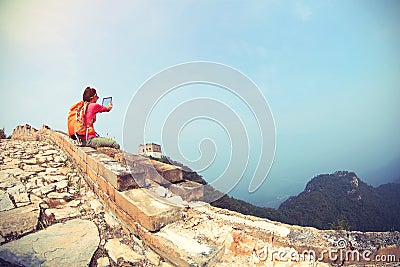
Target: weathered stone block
x: 117, y: 250
x: 84, y: 151
x: 72, y: 243
x: 77, y: 159
x: 91, y: 173
x: 169, y: 172
x: 5, y: 201
x: 188, y: 190
x: 89, y: 180
x: 125, y: 219
x: 68, y: 143
x: 126, y: 158
x: 117, y: 175
x: 19, y: 221
x: 149, y: 210
x: 156, y: 171
x: 106, y: 187
x: 64, y: 213
x: 109, y: 151
x: 93, y: 159
x: 99, y: 192
x: 69, y: 151
x: 181, y: 250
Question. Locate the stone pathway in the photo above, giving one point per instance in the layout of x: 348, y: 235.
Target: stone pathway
x: 49, y: 217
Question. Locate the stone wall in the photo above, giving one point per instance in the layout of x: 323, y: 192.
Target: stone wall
x: 155, y: 206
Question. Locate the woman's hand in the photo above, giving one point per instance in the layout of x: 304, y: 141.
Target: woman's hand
x: 109, y: 107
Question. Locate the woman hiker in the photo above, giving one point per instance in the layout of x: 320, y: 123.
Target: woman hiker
x: 92, y: 139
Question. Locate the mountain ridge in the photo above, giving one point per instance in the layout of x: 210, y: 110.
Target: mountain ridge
x: 343, y: 200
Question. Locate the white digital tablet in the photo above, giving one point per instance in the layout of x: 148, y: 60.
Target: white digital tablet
x: 106, y: 101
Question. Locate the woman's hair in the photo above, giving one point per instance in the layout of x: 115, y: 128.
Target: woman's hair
x: 88, y: 94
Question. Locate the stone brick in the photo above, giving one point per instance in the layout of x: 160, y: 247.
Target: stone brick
x: 92, y: 159
x: 166, y: 173
x: 99, y: 192
x: 140, y: 173
x: 89, y: 180
x: 149, y: 210
x: 68, y: 150
x: 128, y: 158
x: 72, y: 243
x: 84, y: 151
x: 188, y: 190
x: 125, y: 219
x: 169, y: 172
x: 68, y: 143
x: 77, y: 159
x: 80, y: 162
x: 91, y: 173
x: 181, y: 250
x: 106, y: 187
x: 117, y: 250
x: 109, y: 151
x: 136, y: 163
x: 118, y: 175
x: 19, y: 221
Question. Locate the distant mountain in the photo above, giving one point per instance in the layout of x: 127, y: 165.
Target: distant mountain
x: 338, y: 201
x: 342, y: 201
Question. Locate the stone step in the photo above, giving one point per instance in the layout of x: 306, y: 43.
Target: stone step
x: 169, y: 172
x: 188, y: 190
x: 157, y: 171
x: 148, y: 209
x: 164, y: 174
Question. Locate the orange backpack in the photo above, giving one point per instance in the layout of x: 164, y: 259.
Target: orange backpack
x: 76, y: 120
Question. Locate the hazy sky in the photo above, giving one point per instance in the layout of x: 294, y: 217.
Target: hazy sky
x: 329, y: 70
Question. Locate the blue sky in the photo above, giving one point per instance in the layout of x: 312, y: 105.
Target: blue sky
x: 330, y: 71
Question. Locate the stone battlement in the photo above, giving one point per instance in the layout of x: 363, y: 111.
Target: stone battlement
x: 157, y: 206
